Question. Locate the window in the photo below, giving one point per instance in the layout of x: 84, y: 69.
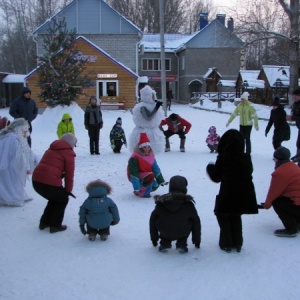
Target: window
x: 183, y: 63
x: 154, y: 64
x: 108, y: 88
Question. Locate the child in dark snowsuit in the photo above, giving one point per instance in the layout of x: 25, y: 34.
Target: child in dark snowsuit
x: 98, y: 211
x: 117, y: 137
x: 233, y: 169
x: 212, y: 139
x: 175, y: 217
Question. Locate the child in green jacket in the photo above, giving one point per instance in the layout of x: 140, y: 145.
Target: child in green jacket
x: 65, y: 125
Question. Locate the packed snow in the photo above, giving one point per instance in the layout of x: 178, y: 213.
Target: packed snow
x: 35, y: 264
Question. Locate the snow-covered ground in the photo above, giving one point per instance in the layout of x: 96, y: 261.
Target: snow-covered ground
x: 35, y: 264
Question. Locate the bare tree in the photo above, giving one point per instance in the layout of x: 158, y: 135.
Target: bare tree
x: 18, y: 19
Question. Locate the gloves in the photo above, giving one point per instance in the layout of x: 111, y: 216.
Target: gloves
x: 154, y: 243
x: 227, y: 124
x: 256, y: 127
x: 112, y: 146
x: 72, y: 195
x: 261, y: 205
x: 82, y: 229
x: 158, y: 104
x: 164, y: 183
x: 266, y: 134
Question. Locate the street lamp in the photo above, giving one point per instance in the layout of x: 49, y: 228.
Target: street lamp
x: 219, y: 85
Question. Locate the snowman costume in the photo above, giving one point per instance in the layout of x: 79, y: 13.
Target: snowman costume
x: 147, y: 116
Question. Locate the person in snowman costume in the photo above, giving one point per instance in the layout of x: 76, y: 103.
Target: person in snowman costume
x: 147, y: 116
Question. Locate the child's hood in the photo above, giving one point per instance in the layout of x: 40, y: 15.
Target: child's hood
x: 98, y: 188
x: 66, y: 116
x: 173, y: 201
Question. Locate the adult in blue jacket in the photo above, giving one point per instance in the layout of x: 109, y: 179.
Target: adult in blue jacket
x: 24, y: 107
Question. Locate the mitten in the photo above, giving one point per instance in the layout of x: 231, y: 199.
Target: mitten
x: 256, y: 127
x: 82, y: 229
x: 266, y: 134
x: 158, y: 104
x: 112, y: 146
x: 227, y: 124
x: 114, y: 222
x: 154, y: 243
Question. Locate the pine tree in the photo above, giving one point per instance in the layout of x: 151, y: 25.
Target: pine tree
x: 61, y: 72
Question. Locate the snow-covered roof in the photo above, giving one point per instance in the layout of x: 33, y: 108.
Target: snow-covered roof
x: 276, y: 72
x: 228, y: 83
x: 255, y: 84
x: 209, y: 71
x: 151, y: 42
x: 249, y: 74
x: 14, y: 78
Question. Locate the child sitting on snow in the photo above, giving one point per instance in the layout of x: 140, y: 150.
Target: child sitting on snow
x: 212, y: 139
x: 98, y: 211
x: 117, y: 137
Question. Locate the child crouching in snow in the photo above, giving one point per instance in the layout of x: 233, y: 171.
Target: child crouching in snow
x: 212, y: 139
x: 98, y: 211
x: 175, y: 217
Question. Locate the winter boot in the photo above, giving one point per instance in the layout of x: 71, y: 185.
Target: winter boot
x: 211, y: 148
x: 92, y: 236
x: 285, y: 233
x: 182, y: 142
x: 58, y: 229
x: 182, y: 249
x: 103, y: 237
x: 167, y: 149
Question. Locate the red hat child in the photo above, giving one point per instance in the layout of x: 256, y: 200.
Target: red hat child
x: 144, y: 140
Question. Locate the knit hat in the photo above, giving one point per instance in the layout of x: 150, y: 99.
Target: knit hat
x: 282, y: 153
x: 178, y: 184
x: 144, y: 140
x: 212, y: 129
x: 245, y: 96
x: 276, y: 101
x: 70, y: 139
x: 296, y: 92
x: 119, y: 121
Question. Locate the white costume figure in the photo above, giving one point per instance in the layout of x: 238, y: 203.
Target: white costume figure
x: 147, y: 116
x: 16, y: 161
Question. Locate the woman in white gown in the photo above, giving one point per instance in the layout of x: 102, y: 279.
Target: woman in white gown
x: 16, y: 162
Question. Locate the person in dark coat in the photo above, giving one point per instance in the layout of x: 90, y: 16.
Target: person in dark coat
x: 56, y: 166
x: 93, y: 123
x: 295, y: 115
x: 169, y: 98
x: 24, y: 107
x: 282, y: 130
x: 117, y: 137
x: 233, y: 169
x: 175, y: 217
x: 98, y: 211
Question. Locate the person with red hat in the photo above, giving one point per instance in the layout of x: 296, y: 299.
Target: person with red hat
x: 142, y: 170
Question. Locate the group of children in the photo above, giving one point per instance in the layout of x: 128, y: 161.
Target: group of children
x: 175, y: 216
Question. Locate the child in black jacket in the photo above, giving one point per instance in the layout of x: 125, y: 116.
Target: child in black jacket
x: 175, y: 217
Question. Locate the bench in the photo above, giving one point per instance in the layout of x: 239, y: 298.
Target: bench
x: 112, y: 105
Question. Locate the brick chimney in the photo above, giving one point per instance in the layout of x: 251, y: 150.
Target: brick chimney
x: 230, y: 24
x: 221, y: 18
x: 203, y: 20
